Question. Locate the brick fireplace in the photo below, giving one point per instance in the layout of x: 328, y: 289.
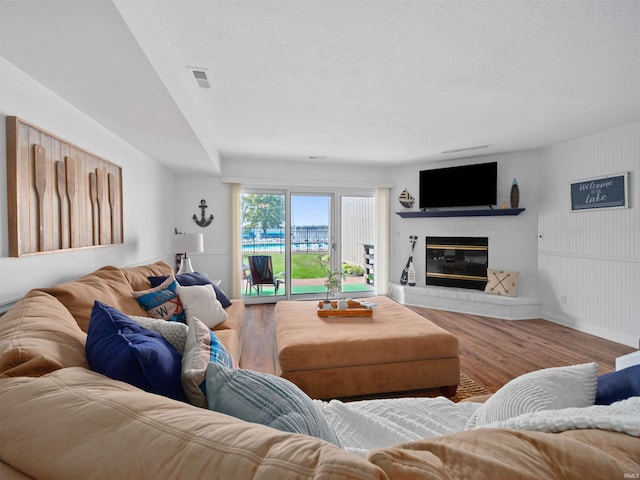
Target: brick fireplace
x: 457, y: 262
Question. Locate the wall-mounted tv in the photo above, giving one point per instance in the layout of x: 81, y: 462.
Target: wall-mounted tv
x: 463, y: 186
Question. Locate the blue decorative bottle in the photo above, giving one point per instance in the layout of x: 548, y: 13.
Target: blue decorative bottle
x: 515, y: 194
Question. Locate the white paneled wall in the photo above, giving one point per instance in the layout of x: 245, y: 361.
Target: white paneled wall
x: 589, y: 261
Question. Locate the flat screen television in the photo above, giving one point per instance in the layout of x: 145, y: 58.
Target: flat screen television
x: 463, y: 186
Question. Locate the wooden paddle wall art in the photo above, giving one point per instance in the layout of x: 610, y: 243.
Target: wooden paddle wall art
x: 59, y: 196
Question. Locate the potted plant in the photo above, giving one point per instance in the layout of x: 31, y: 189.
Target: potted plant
x: 332, y: 278
x: 352, y: 270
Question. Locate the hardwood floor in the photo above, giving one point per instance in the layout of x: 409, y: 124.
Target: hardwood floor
x: 259, y: 338
x: 492, y: 351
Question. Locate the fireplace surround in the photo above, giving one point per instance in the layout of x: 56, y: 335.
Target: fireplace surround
x: 457, y: 262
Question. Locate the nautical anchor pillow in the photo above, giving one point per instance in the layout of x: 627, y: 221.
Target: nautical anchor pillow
x: 162, y: 301
x: 503, y: 283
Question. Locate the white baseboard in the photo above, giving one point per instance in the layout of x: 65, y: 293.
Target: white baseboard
x: 606, y: 333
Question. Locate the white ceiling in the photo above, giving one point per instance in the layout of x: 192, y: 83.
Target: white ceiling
x: 376, y: 82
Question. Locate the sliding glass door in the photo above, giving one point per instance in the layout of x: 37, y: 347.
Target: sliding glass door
x: 264, y: 245
x: 312, y: 243
x: 290, y: 240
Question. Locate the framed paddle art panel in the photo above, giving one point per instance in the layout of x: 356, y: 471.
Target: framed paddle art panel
x: 60, y: 196
x: 611, y: 191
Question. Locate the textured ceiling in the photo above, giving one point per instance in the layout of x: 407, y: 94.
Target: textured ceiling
x: 372, y: 82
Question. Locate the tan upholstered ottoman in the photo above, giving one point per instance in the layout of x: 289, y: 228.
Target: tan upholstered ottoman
x: 394, y: 350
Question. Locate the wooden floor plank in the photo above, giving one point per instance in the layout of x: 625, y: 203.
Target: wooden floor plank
x: 492, y: 351
x: 259, y: 339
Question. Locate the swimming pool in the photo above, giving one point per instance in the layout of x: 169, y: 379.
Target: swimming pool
x: 272, y: 247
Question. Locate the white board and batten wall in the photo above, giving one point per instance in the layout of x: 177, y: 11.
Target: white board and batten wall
x: 589, y: 261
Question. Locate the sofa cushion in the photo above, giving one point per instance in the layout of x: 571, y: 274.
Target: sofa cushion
x: 235, y: 318
x: 162, y: 301
x: 75, y: 423
x: 266, y: 399
x: 202, y: 347
x: 546, y: 389
x: 38, y: 335
x: 124, y: 350
x: 173, y: 332
x: 195, y: 278
x: 618, y: 385
x: 138, y: 276
x: 107, y: 285
x: 200, y: 301
x: 505, y: 454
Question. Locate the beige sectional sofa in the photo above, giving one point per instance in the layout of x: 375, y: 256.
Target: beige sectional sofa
x: 61, y: 420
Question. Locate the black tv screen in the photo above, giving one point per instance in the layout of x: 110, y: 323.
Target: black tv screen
x: 464, y: 186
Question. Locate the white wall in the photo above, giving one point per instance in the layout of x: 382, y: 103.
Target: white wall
x: 215, y: 261
x: 147, y: 190
x: 591, y: 257
x: 512, y: 239
x: 302, y: 174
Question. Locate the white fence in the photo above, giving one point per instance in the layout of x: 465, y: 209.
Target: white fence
x: 358, y: 216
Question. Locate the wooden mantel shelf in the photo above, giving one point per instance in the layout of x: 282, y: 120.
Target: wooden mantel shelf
x: 484, y: 212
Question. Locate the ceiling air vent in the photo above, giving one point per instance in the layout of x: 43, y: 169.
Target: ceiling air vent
x: 200, y: 75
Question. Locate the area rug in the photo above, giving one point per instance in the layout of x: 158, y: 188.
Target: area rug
x: 466, y: 388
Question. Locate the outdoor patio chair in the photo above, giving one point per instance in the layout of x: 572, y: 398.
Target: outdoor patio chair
x: 261, y: 268
x: 246, y: 278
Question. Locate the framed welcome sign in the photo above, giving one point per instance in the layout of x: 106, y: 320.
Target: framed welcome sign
x: 602, y: 192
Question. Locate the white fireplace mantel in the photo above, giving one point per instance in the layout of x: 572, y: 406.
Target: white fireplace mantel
x: 464, y: 300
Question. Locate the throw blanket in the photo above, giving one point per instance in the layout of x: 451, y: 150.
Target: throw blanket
x: 369, y: 424
x: 622, y: 416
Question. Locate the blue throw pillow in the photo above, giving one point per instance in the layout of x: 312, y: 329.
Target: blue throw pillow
x: 124, y: 350
x: 262, y: 398
x: 616, y: 386
x: 191, y: 279
x: 162, y: 301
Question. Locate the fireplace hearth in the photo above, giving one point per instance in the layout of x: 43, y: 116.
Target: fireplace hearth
x: 457, y: 262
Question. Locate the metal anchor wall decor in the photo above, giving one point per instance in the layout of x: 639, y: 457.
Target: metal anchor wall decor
x: 204, y: 221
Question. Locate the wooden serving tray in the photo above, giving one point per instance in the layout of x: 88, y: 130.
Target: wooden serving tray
x: 354, y: 309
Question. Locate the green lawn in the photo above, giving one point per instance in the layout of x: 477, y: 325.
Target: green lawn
x: 299, y: 289
x: 303, y: 265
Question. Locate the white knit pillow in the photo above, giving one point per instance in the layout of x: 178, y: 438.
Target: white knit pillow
x: 174, y: 332
x: 200, y: 301
x: 548, y: 389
